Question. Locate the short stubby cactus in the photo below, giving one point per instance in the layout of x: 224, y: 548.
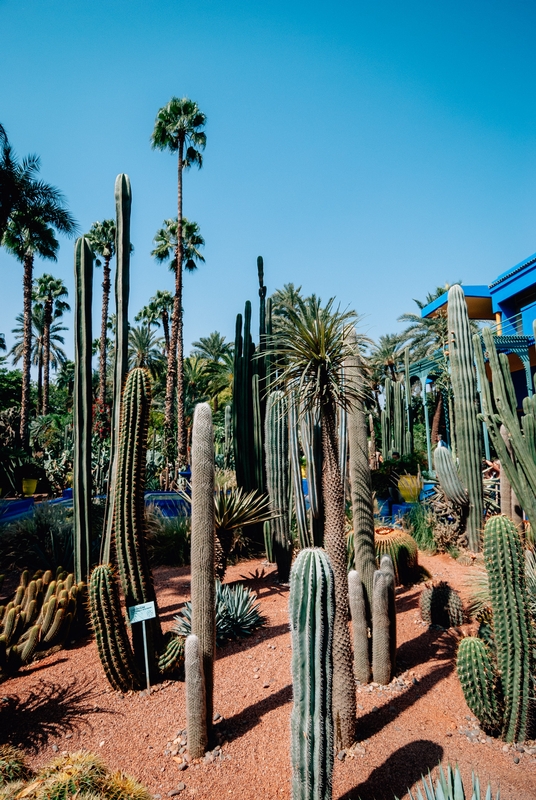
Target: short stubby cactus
x: 441, y: 605
x: 312, y: 613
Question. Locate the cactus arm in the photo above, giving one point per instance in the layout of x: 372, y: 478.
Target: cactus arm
x: 381, y: 648
x: 448, y: 477
x: 479, y: 683
x: 277, y: 469
x: 196, y: 719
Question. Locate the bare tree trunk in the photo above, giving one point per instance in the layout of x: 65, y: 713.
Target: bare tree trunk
x: 344, y: 702
x: 182, y: 451
x: 26, y: 349
x: 106, y: 286
x: 47, y: 322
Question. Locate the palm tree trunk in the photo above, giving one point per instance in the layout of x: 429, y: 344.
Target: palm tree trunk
x: 26, y: 348
x: 40, y: 379
x: 437, y: 418
x: 182, y: 450
x: 165, y: 326
x: 47, y: 322
x: 106, y: 284
x: 344, y: 702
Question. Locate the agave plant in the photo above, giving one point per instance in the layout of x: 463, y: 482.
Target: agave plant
x: 450, y: 787
x: 237, y: 614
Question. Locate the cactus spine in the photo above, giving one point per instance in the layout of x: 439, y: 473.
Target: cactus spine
x: 123, y: 205
x: 312, y: 614
x: 113, y: 644
x: 478, y: 681
x: 196, y: 712
x: 461, y: 356
x: 512, y: 636
x: 82, y: 411
x: 448, y: 477
x: 202, y: 552
x: 277, y: 467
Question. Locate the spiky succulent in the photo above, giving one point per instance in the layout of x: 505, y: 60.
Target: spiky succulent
x: 441, y: 605
x: 13, y: 765
x: 449, y: 786
x: 403, y: 550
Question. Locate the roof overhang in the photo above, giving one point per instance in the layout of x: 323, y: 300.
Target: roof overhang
x: 478, y: 299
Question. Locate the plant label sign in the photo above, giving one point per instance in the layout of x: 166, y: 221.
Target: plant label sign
x: 141, y: 612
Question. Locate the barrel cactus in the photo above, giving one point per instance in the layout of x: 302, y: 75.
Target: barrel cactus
x: 403, y: 551
x: 441, y: 605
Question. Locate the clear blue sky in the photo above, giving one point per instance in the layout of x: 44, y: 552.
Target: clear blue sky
x: 368, y: 150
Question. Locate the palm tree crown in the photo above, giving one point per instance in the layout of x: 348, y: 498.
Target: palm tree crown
x: 178, y: 125
x: 165, y: 242
x: 212, y: 347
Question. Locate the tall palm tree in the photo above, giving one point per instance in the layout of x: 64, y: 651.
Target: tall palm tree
x: 312, y: 346
x: 212, y: 347
x: 102, y: 239
x: 49, y: 291
x: 57, y: 354
x: 31, y: 230
x: 218, y: 356
x: 145, y: 350
x: 157, y: 311
x: 179, y: 129
x: 166, y: 248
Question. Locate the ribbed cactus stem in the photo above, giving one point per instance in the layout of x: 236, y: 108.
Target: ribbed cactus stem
x: 358, y: 611
x: 503, y: 556
x: 228, y: 436
x: 448, y: 477
x: 461, y: 355
x: 304, y: 538
x: 381, y: 626
x: 202, y: 549
x: 82, y: 409
x: 196, y: 710
x: 387, y: 566
x: 312, y: 613
x: 123, y: 205
x: 277, y: 474
x: 478, y: 681
x: 509, y: 503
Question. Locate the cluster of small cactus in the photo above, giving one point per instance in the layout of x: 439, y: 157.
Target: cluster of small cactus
x: 495, y: 673
x: 312, y: 614
x: 467, y: 426
x: 403, y: 550
x: 39, y: 617
x: 441, y: 605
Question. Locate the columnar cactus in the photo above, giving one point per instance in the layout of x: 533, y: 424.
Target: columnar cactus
x: 461, y: 355
x: 478, y: 679
x: 277, y: 469
x: 312, y: 613
x: 358, y: 611
x: 123, y: 204
x: 228, y: 436
x: 311, y: 437
x: 448, y: 477
x: 196, y: 710
x: 509, y: 680
x: 108, y: 624
x: 82, y: 410
x: 202, y: 550
x: 382, y: 666
x: 509, y: 503
x: 304, y: 537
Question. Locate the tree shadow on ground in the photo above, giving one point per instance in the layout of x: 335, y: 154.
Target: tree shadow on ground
x: 47, y: 710
x: 249, y: 717
x: 401, y: 771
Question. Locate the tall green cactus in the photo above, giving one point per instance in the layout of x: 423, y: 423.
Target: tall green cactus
x: 129, y: 510
x: 123, y: 205
x: 202, y: 550
x: 304, y: 537
x: 500, y: 693
x: 82, y: 410
x: 448, y: 477
x: 461, y: 355
x: 311, y: 436
x: 509, y: 502
x: 228, y: 437
x: 277, y: 469
x: 196, y: 711
x: 108, y: 625
x: 312, y: 613
x: 499, y: 407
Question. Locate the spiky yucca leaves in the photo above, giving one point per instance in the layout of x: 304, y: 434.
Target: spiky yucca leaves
x: 236, y: 509
x: 403, y: 550
x: 449, y: 786
x: 237, y: 614
x: 13, y: 766
x: 441, y: 605
x: 129, y: 512
x: 311, y: 348
x: 110, y: 631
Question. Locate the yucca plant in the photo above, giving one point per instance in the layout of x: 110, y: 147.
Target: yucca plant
x: 449, y: 786
x: 237, y: 614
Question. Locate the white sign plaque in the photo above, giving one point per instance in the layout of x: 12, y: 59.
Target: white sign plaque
x: 141, y: 612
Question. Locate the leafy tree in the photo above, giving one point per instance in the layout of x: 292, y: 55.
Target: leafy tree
x: 179, y: 129
x: 37, y: 212
x: 212, y: 347
x: 312, y: 346
x: 10, y: 388
x: 145, y: 350
x: 49, y: 291
x: 102, y: 239
x: 166, y: 250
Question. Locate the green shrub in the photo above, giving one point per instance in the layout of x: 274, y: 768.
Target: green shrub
x: 419, y: 522
x: 168, y: 539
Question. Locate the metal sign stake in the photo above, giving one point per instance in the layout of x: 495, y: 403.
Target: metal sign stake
x: 146, y: 656
x: 141, y: 613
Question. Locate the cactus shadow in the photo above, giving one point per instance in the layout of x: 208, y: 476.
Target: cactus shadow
x: 29, y: 721
x: 239, y: 724
x: 263, y: 635
x: 400, y: 772
x: 439, y: 644
x: 406, y: 600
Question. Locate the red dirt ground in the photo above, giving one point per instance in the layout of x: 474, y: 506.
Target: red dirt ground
x: 64, y: 703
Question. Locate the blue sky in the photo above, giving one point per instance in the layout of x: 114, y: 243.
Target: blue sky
x: 368, y: 150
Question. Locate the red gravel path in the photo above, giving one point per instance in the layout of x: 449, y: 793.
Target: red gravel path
x: 63, y: 703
